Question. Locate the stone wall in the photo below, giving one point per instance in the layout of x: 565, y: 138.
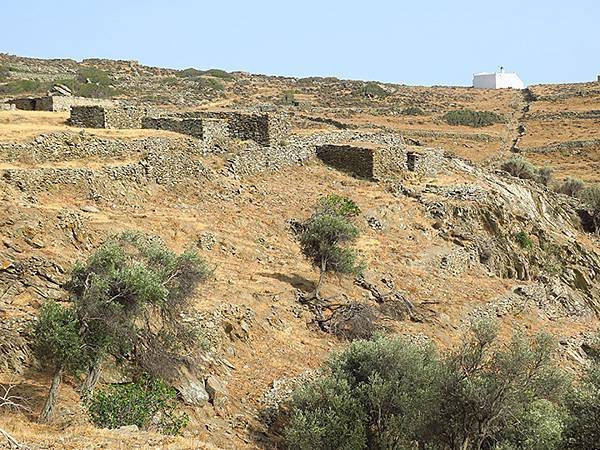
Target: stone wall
x: 87, y: 117
x: 25, y: 104
x: 367, y: 160
x: 57, y: 103
x: 214, y: 131
x: 191, y: 126
x: 106, y: 117
x: 266, y: 129
x: 64, y: 103
x: 123, y: 117
x: 357, y: 161
x: 69, y: 146
x: 424, y: 161
x: 161, y: 160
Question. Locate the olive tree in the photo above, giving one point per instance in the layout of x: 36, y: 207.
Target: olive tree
x: 325, y: 238
x: 129, y: 296
x: 490, y: 392
x: 391, y: 393
x: 58, y: 346
x: 591, y: 195
x: 583, y: 430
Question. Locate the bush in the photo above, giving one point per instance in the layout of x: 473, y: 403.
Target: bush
x: 378, y: 389
x: 81, y: 88
x: 94, y: 91
x: 545, y: 175
x: 571, y: 186
x: 195, y: 73
x: 146, y: 402
x: 373, y: 90
x: 591, y: 195
x: 209, y: 84
x: 129, y: 279
x: 87, y: 75
x: 189, y: 73
x: 24, y: 87
x: 472, y: 118
x: 217, y: 73
x: 4, y: 73
x: 289, y: 98
x: 520, y: 168
x: 325, y: 235
x: 522, y: 238
x: 392, y: 393
x: 337, y: 205
x: 413, y: 111
x: 583, y: 430
x: 58, y: 346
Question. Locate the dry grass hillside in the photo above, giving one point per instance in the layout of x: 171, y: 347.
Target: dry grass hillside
x: 444, y: 241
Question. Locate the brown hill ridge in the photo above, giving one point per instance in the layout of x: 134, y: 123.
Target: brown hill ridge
x: 445, y: 238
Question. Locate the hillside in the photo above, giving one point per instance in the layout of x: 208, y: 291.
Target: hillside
x: 443, y: 239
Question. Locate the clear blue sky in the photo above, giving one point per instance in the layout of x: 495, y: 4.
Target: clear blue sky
x: 413, y: 42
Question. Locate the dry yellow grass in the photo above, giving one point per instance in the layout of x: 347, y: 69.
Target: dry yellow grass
x: 20, y: 126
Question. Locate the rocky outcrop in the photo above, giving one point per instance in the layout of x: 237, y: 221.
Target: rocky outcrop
x: 519, y: 229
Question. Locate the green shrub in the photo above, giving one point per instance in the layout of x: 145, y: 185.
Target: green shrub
x: 143, y: 403
x: 217, y: 73
x: 378, y: 389
x: 583, y: 430
x: 58, y: 347
x: 520, y: 168
x: 24, y: 87
x: 571, y: 187
x: 86, y: 75
x: 545, y: 175
x: 195, y: 73
x: 91, y: 90
x: 169, y: 81
x: 189, y: 73
x: 79, y: 87
x: 326, y: 416
x: 591, y: 195
x: 413, y: 111
x: 288, y: 98
x: 128, y: 279
x: 4, y: 73
x: 209, y: 84
x: 472, y: 118
x: 337, y: 205
x: 390, y: 392
x: 522, y: 238
x: 325, y: 236
x: 373, y: 90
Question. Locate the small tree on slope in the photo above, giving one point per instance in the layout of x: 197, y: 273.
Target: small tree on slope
x: 58, y: 346
x: 129, y: 297
x: 325, y: 236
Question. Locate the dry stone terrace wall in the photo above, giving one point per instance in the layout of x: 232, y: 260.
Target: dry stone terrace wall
x: 57, y: 147
x: 266, y: 129
x: 57, y: 103
x: 214, y: 131
x: 192, y: 127
x: 358, y: 161
x: 118, y: 117
x: 87, y: 117
x: 390, y: 159
x: 161, y: 160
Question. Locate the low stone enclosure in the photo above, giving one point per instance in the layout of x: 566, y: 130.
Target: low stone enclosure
x: 107, y: 117
x: 57, y: 103
x: 376, y: 161
x: 265, y: 129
